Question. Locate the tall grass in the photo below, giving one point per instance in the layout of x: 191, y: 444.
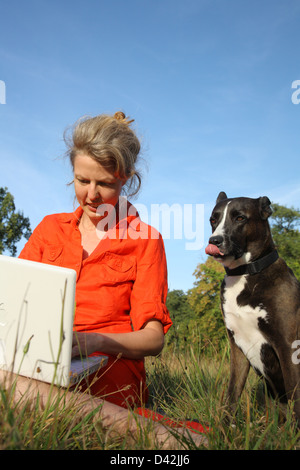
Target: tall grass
x: 189, y: 385
x: 193, y: 386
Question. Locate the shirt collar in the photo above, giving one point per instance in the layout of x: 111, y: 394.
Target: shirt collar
x: 76, y: 215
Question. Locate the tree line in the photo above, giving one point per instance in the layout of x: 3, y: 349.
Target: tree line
x: 195, y: 313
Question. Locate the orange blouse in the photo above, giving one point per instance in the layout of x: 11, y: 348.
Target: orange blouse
x: 120, y: 286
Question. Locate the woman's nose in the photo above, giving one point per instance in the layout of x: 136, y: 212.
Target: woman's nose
x: 93, y: 192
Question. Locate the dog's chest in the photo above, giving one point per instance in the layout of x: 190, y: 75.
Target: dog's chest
x: 243, y: 321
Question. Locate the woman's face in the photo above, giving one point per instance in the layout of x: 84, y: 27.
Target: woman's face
x: 94, y: 185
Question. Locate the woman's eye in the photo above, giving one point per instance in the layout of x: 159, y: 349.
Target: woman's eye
x: 107, y: 184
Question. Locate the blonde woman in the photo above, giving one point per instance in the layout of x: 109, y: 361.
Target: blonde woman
x: 120, y: 262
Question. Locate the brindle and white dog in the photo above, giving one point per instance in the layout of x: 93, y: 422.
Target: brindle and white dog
x: 260, y: 298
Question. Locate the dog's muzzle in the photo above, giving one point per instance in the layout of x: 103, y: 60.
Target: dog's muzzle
x: 213, y: 248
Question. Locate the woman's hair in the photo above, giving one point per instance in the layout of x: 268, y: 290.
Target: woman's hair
x: 110, y: 141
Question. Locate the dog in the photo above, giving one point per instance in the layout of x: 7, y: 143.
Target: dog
x: 260, y: 299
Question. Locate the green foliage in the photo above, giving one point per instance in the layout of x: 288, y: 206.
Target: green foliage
x: 197, y: 314
x: 184, y: 320
x: 204, y: 299
x: 13, y: 225
x: 284, y: 226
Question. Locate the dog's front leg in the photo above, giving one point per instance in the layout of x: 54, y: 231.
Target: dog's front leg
x: 239, y: 369
x: 291, y: 376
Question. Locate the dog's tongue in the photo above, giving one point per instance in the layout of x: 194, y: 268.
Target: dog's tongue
x: 213, y: 250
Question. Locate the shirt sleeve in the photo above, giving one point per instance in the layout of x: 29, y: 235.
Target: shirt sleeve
x: 34, y: 247
x: 149, y: 293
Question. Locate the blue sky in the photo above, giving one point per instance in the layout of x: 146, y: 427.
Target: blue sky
x: 208, y: 82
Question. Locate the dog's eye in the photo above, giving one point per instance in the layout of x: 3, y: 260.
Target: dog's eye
x: 240, y: 218
x: 212, y: 220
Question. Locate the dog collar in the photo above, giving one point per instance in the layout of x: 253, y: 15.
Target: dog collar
x: 254, y: 267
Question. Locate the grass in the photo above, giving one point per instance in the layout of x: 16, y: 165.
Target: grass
x: 189, y: 385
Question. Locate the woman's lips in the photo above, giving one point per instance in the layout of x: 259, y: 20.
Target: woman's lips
x: 93, y: 207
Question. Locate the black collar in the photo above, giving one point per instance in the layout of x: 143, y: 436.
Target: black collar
x: 254, y: 267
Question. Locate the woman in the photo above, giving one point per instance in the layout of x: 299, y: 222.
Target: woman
x: 120, y: 262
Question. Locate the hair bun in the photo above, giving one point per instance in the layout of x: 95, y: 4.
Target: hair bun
x: 120, y: 116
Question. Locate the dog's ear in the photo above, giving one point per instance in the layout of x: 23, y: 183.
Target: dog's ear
x: 221, y: 196
x: 264, y: 207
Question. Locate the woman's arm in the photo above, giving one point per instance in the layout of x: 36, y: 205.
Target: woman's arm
x: 148, y: 341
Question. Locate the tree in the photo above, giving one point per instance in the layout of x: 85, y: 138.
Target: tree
x: 184, y: 320
x: 204, y: 299
x: 13, y: 225
x: 284, y: 222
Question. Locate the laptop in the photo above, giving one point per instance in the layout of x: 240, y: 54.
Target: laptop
x: 37, y: 303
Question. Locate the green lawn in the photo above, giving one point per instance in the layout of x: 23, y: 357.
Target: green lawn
x: 189, y: 385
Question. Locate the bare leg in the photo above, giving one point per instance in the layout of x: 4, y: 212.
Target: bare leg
x: 115, y: 420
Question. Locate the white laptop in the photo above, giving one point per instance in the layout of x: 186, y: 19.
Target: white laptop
x: 37, y: 304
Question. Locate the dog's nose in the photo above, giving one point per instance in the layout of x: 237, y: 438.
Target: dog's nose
x: 216, y: 240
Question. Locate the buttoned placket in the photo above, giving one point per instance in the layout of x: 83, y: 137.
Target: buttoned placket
x: 75, y: 243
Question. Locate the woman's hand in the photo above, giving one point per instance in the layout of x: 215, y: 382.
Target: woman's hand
x: 85, y: 343
x: 148, y: 341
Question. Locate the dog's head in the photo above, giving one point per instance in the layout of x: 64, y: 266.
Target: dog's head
x: 240, y: 229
